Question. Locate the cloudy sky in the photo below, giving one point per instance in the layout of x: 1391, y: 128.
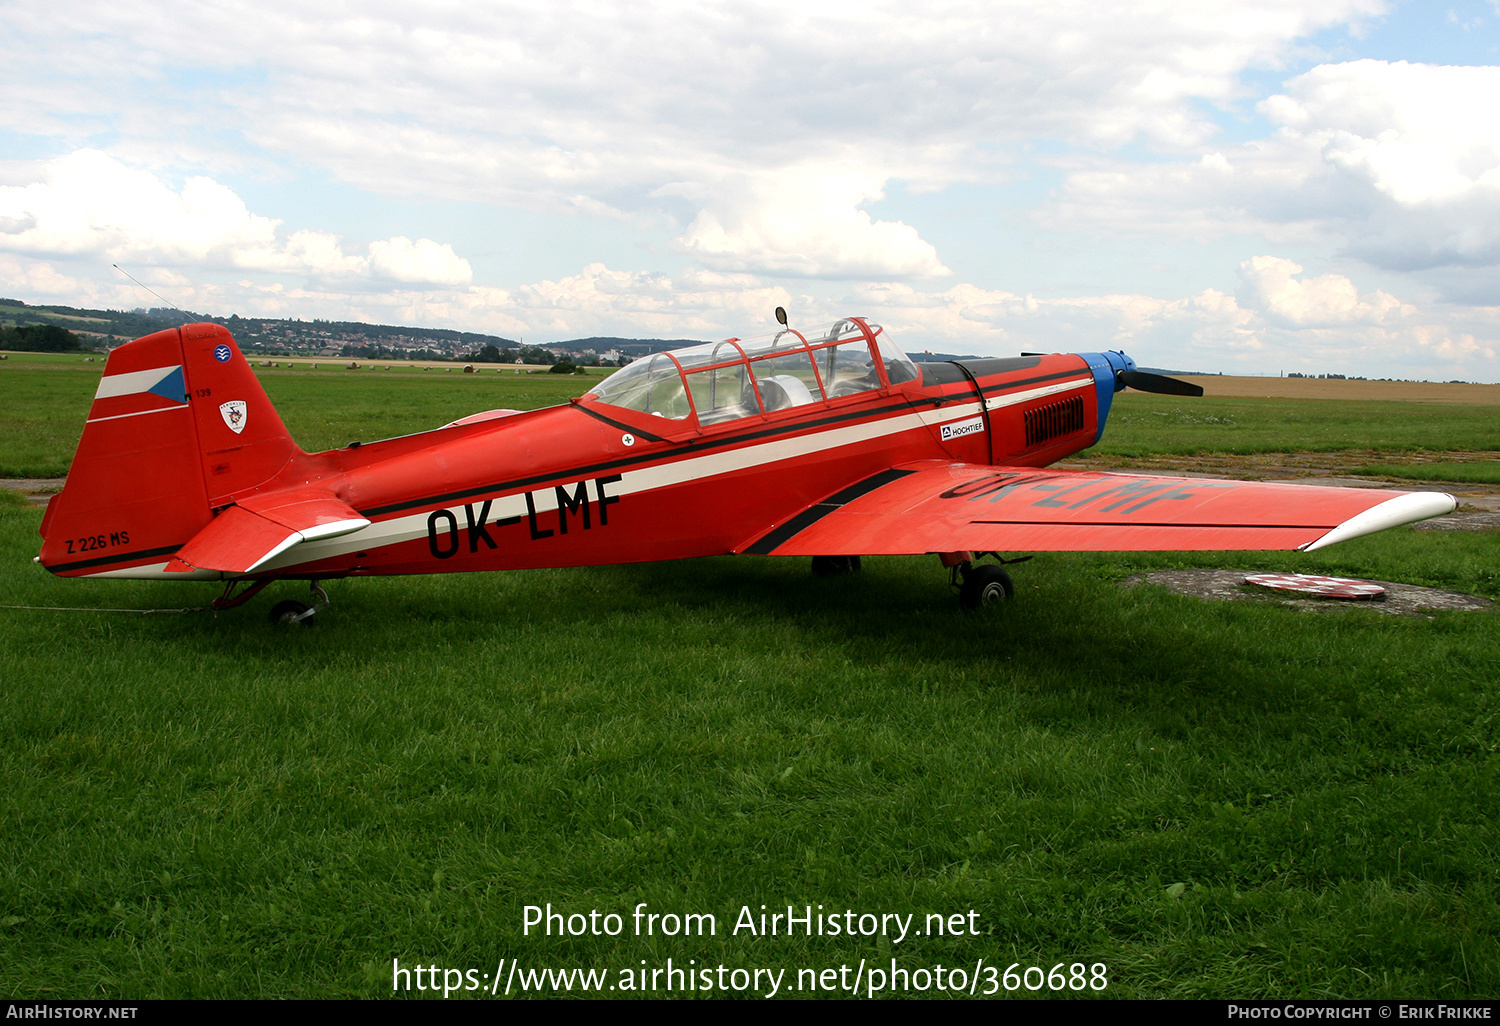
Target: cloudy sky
x: 1252, y: 187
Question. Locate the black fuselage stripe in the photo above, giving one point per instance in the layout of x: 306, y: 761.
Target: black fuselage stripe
x: 802, y: 521
x: 867, y: 486
x: 648, y: 436
x: 1006, y: 386
x: 124, y: 557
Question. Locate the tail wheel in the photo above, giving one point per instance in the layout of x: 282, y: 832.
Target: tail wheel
x: 984, y: 585
x: 292, y: 611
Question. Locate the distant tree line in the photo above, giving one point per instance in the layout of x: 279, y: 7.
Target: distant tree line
x: 40, y: 338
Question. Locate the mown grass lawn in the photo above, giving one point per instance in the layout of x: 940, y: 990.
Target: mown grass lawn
x: 1479, y: 472
x: 1227, y: 800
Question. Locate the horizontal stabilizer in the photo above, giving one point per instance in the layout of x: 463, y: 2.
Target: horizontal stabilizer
x: 252, y: 533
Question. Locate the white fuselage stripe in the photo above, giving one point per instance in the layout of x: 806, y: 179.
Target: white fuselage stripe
x: 1012, y: 398
x: 138, y: 413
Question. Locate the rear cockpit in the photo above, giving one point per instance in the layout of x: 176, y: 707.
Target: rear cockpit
x: 733, y: 379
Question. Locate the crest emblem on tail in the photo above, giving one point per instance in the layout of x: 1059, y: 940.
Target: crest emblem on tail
x: 234, y: 413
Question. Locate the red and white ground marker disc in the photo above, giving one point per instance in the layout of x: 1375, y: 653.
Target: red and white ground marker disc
x: 1322, y: 587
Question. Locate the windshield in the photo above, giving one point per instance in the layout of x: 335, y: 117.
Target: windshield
x: 733, y: 379
x: 651, y: 384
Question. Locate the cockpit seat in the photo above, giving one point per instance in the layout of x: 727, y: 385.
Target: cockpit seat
x: 785, y: 391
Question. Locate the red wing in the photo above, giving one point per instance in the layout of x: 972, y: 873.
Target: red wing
x: 933, y: 506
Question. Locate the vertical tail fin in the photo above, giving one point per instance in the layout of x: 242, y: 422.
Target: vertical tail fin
x: 179, y: 426
x: 242, y: 440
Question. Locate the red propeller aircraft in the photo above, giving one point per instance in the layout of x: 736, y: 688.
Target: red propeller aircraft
x: 831, y: 444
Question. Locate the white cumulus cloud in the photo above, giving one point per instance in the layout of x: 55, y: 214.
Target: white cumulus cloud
x: 423, y: 262
x: 93, y: 205
x: 806, y: 221
x: 1400, y: 161
x: 1272, y: 288
x: 609, y: 107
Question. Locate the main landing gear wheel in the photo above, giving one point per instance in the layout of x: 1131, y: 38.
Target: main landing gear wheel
x: 984, y: 585
x: 832, y: 566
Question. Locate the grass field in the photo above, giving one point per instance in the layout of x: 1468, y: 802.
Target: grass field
x: 1150, y: 425
x: 1212, y: 800
x: 1487, y: 472
x: 1461, y: 393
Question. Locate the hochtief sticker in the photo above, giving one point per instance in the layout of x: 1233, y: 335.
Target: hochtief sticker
x: 234, y: 414
x: 958, y: 429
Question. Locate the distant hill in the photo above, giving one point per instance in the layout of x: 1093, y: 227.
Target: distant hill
x: 925, y: 357
x: 642, y: 346
x: 270, y: 335
x: 283, y: 336
x: 292, y: 336
x: 91, y: 323
x: 633, y: 346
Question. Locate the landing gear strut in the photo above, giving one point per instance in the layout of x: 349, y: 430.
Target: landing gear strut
x: 228, y: 600
x: 291, y: 611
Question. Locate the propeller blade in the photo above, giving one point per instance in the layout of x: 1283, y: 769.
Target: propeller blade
x: 1160, y: 383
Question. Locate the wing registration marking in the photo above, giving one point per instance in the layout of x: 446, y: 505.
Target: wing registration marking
x: 1124, y: 497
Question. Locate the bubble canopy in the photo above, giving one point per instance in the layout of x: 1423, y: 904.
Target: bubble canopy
x: 733, y: 379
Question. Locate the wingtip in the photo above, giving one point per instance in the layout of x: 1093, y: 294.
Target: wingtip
x: 1403, y: 509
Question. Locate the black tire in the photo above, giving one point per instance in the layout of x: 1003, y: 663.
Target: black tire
x: 833, y: 566
x: 283, y: 612
x: 984, y: 585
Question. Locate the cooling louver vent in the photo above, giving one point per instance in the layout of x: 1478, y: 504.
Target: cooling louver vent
x: 1054, y: 420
